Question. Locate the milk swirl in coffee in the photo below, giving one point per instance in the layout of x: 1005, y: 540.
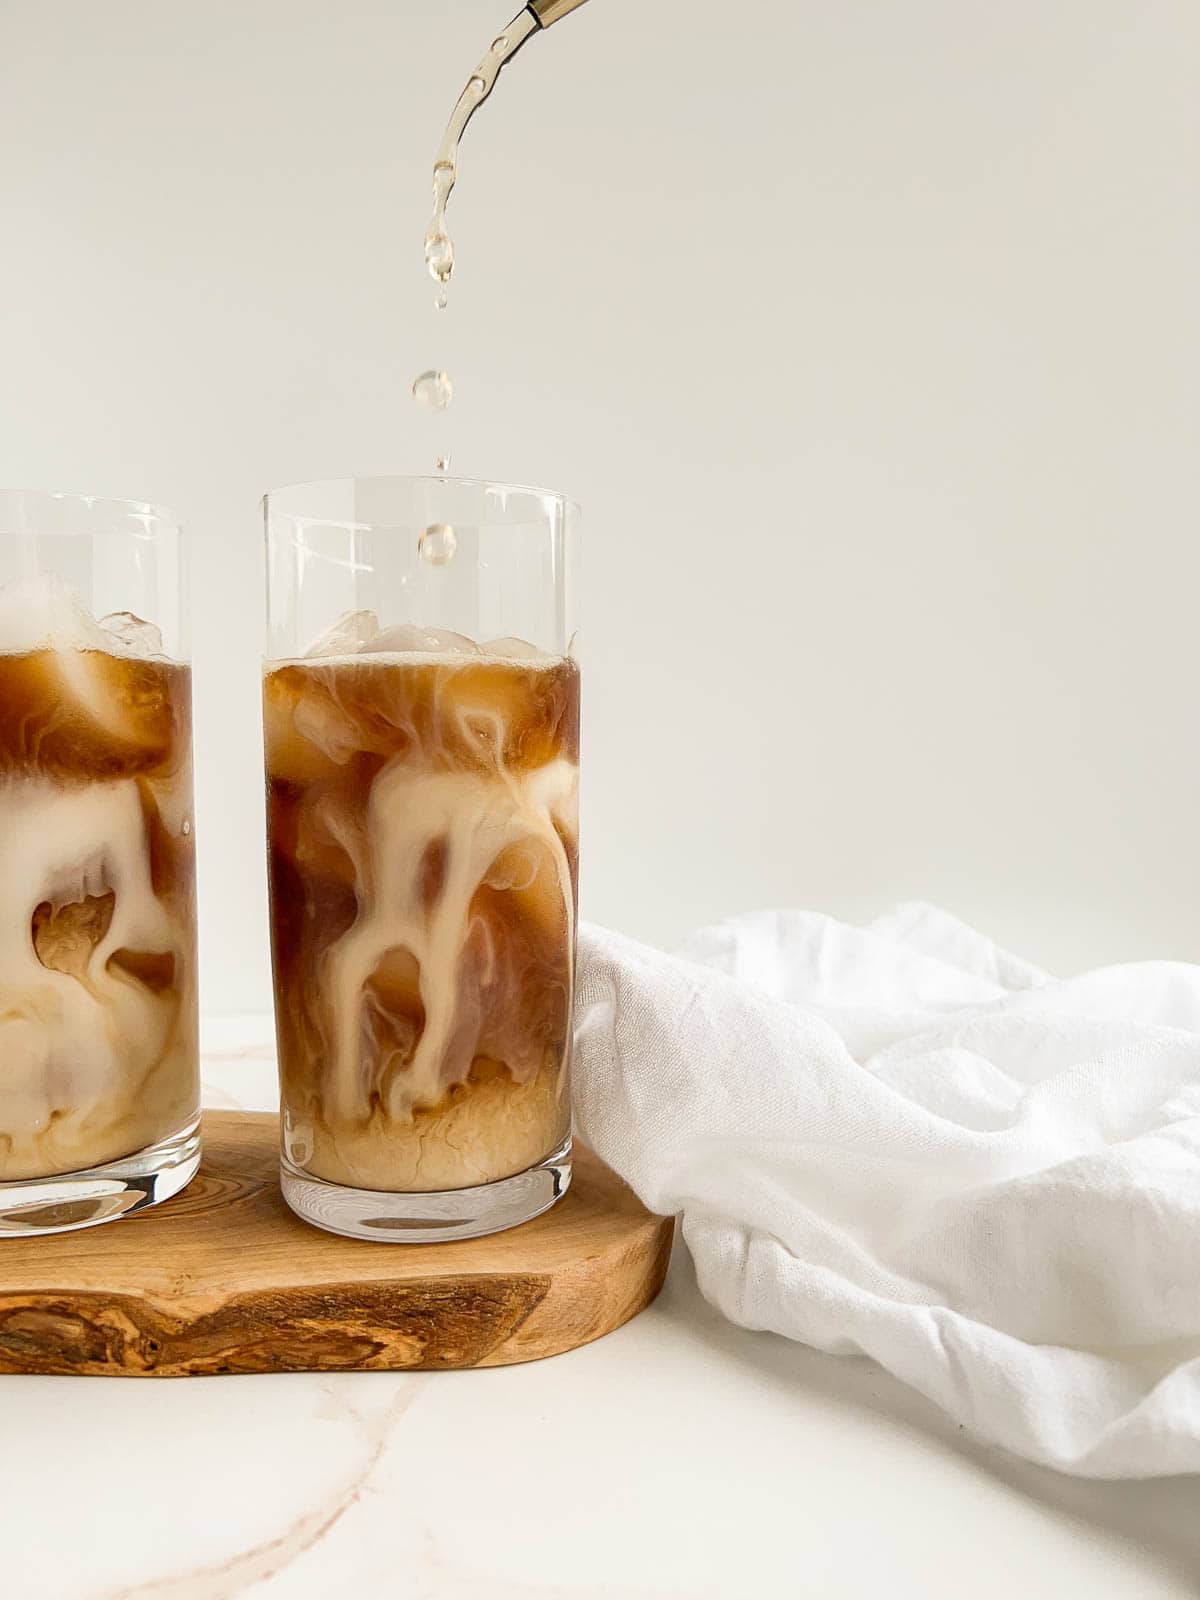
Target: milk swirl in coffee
x: 423, y: 822
x: 98, y: 1035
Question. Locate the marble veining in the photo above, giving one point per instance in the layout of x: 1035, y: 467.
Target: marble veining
x: 237, y: 1574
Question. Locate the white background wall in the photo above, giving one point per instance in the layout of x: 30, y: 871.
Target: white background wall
x: 867, y: 335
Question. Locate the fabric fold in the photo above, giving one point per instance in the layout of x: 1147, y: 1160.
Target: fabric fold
x: 903, y: 1141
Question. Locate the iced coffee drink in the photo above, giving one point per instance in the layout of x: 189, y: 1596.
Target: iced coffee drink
x: 423, y: 856
x: 98, y: 1046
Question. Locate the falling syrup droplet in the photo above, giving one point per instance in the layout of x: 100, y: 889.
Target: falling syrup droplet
x: 443, y: 463
x: 433, y: 390
x: 439, y: 300
x: 439, y: 256
x: 438, y: 544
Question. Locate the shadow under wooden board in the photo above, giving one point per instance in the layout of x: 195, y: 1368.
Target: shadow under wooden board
x: 224, y: 1278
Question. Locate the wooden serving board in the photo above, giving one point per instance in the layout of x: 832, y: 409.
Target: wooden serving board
x: 224, y: 1278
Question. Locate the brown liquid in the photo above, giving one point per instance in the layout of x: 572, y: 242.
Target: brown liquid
x: 98, y: 1031
x: 423, y: 859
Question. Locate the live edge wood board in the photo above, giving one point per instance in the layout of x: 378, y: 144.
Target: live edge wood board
x: 224, y: 1279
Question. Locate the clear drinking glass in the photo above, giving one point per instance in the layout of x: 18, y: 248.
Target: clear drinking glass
x: 421, y: 713
x: 99, y: 1064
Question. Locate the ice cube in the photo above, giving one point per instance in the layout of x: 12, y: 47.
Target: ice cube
x: 511, y: 648
x: 134, y: 636
x: 111, y: 707
x: 42, y: 612
x: 407, y: 637
x: 348, y: 635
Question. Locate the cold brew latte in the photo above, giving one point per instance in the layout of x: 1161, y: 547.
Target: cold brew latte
x: 422, y: 794
x: 98, y: 1038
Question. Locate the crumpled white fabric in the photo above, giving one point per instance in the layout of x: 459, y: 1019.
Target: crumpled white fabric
x: 902, y: 1141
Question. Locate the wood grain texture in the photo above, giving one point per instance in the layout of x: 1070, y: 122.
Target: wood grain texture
x: 225, y: 1279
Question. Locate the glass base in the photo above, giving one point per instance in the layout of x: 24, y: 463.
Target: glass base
x: 70, y: 1200
x: 428, y: 1218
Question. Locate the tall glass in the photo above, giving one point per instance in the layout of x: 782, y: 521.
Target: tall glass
x: 421, y: 716
x: 99, y: 1079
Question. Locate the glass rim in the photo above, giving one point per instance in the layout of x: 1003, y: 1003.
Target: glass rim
x: 101, y: 505
x: 571, y: 506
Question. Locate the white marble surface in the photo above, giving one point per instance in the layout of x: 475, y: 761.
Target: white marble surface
x: 679, y: 1457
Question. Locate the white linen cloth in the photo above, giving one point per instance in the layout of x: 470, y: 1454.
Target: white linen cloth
x: 899, y: 1140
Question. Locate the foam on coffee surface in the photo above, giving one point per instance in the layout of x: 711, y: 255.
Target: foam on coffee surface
x: 424, y: 823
